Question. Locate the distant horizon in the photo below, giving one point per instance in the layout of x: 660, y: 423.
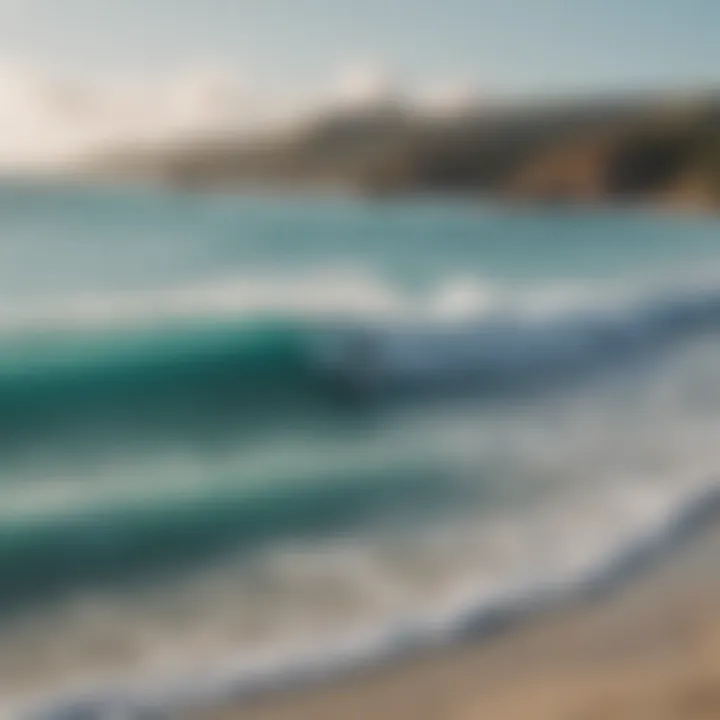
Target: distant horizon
x: 79, y: 73
x: 50, y: 119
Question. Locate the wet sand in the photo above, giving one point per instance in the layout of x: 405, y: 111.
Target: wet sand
x: 647, y: 650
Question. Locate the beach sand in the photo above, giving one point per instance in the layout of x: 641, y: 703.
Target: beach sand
x: 648, y: 650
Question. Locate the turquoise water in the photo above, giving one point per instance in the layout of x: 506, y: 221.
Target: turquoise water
x: 247, y: 436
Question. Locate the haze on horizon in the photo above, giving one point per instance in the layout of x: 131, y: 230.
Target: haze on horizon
x: 74, y: 72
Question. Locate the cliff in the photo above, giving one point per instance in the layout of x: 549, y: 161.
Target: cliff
x: 649, y: 149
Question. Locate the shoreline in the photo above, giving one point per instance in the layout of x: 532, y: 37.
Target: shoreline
x: 474, y: 664
x: 645, y: 647
x: 632, y: 658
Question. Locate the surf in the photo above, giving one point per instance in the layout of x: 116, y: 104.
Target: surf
x: 249, y: 414
x: 185, y: 373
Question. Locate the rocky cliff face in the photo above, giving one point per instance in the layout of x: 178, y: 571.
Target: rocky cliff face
x: 651, y: 162
x: 628, y: 150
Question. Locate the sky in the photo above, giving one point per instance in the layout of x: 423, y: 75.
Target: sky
x: 82, y: 75
x: 513, y: 46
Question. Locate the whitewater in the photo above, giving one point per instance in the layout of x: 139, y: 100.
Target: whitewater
x: 252, y: 441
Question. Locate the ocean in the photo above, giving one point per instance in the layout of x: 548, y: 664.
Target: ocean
x: 247, y: 441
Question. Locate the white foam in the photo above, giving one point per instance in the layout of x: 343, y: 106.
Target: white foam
x: 331, y: 291
x: 459, y: 329
x: 602, y: 484
x: 473, y: 604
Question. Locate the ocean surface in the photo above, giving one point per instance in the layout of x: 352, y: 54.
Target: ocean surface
x: 254, y: 440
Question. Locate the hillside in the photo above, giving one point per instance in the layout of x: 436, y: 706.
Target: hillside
x: 664, y: 149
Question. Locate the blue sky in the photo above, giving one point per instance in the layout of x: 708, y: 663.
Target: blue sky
x: 499, y: 45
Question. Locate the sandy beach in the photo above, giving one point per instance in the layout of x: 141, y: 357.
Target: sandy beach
x: 649, y: 650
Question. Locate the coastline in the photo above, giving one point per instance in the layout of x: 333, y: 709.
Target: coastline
x: 634, y: 657
x: 687, y: 207
x: 645, y: 646
x: 644, y: 619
